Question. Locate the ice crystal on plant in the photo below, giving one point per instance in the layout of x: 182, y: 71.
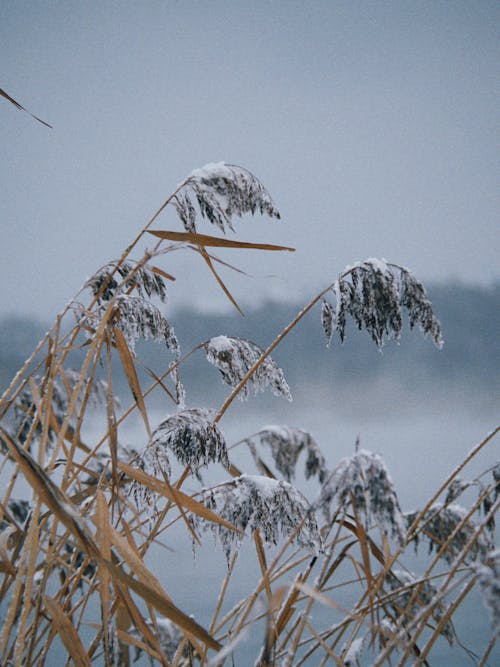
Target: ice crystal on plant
x: 145, y: 281
x: 191, y: 437
x: 363, y: 482
x: 286, y: 443
x: 252, y: 502
x: 488, y: 574
x: 138, y: 318
x: 374, y: 293
x: 440, y: 523
x: 222, y: 191
x: 409, y: 603
x: 235, y: 356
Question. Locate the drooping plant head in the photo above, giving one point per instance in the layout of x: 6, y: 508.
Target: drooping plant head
x: 361, y: 485
x: 286, y: 443
x: 254, y: 502
x: 375, y: 293
x: 222, y: 191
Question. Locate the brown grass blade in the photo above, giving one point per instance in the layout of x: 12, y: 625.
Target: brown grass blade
x: 162, y: 273
x: 129, y: 554
x: 160, y: 602
x: 131, y: 374
x: 214, y: 241
x: 104, y: 543
x: 125, y: 638
x: 66, y: 630
x: 174, y: 495
x: 50, y: 494
x: 135, y: 615
x: 210, y: 265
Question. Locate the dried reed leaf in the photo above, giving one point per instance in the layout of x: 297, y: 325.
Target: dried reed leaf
x: 66, y: 630
x: 162, y: 273
x: 104, y: 543
x: 207, y: 259
x: 129, y: 554
x: 131, y: 374
x: 50, y: 494
x: 214, y: 241
x: 127, y: 638
x: 19, y: 106
x: 158, y: 599
x: 175, y: 495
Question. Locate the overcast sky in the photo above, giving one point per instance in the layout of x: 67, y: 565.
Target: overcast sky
x: 373, y: 124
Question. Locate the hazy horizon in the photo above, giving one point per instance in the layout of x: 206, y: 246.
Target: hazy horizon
x: 374, y: 127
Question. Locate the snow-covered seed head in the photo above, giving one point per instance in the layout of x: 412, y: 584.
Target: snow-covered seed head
x: 252, y: 502
x: 138, y: 318
x: 145, y: 281
x: 440, y: 523
x: 286, y: 443
x: 191, y: 437
x: 234, y: 357
x: 488, y: 574
x: 412, y: 594
x: 221, y: 191
x: 362, y: 481
x: 374, y: 293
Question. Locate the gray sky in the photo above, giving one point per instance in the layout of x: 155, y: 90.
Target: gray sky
x: 373, y: 124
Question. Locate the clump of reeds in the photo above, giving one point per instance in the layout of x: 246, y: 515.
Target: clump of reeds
x: 79, y: 516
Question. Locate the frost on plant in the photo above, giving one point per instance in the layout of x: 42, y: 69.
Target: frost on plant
x: 18, y: 510
x: 221, y: 191
x: 145, y: 281
x: 412, y: 594
x: 234, y: 357
x: 374, y: 293
x: 488, y: 574
x: 62, y: 388
x: 286, y: 443
x: 169, y: 635
x: 363, y: 482
x: 191, y: 437
x: 450, y: 528
x: 252, y: 502
x: 140, y: 319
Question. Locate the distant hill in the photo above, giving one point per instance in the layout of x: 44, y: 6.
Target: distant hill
x: 470, y: 319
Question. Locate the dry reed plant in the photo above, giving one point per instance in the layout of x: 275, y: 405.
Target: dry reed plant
x: 80, y: 517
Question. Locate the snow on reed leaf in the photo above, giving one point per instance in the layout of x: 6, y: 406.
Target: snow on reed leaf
x: 363, y: 482
x: 406, y: 602
x: 488, y: 574
x: 191, y: 437
x: 235, y: 356
x: 145, y: 281
x: 286, y: 443
x: 169, y: 635
x: 138, y: 318
x: 374, y: 293
x: 222, y: 191
x: 252, y: 502
x: 440, y: 522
